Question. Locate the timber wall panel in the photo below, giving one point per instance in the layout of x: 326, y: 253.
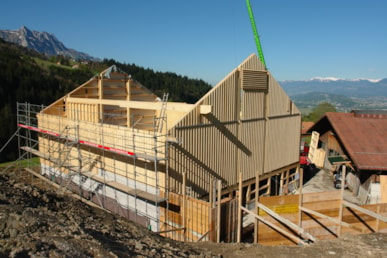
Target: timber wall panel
x: 281, y: 148
x: 196, y: 218
x: 252, y: 63
x: 279, y: 101
x: 223, y: 99
x: 113, y: 136
x: 207, y: 150
x: 252, y: 136
x: 253, y: 104
x: 210, y: 143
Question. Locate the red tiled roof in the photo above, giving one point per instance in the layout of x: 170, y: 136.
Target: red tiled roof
x: 305, y: 126
x: 364, y: 136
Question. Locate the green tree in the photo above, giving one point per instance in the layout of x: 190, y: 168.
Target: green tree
x: 319, y: 111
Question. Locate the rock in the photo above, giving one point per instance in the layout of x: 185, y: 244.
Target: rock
x: 13, y: 232
x: 138, y: 245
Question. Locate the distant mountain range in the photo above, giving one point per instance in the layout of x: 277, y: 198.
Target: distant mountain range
x: 42, y: 42
x: 343, y: 94
x: 358, y: 88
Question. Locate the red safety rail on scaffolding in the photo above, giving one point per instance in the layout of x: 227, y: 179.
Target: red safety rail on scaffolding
x: 119, y: 151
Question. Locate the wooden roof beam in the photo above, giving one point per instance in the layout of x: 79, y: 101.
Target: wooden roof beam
x: 182, y: 107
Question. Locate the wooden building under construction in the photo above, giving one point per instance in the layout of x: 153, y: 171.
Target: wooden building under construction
x: 117, y: 144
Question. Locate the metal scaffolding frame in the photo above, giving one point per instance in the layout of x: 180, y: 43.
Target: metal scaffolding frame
x: 101, y: 165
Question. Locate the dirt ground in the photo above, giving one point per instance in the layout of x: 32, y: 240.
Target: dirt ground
x: 37, y: 221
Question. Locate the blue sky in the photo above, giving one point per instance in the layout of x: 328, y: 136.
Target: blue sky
x: 206, y: 39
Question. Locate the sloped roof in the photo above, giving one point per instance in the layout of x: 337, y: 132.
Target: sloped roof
x: 363, y: 135
x: 305, y: 125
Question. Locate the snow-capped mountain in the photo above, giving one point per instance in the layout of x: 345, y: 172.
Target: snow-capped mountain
x: 347, y: 87
x: 326, y: 79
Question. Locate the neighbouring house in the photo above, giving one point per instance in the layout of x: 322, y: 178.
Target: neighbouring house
x: 358, y: 140
x: 156, y: 162
x: 305, y: 126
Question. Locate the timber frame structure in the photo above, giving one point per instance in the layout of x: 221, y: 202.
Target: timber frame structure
x: 115, y: 143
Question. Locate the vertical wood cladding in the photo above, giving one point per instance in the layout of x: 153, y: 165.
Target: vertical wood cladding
x: 209, y: 144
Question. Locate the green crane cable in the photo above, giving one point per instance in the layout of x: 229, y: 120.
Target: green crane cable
x: 256, y: 36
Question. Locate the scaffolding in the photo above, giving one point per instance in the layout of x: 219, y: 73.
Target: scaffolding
x: 121, y: 168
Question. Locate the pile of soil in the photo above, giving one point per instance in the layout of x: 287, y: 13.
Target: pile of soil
x: 37, y: 221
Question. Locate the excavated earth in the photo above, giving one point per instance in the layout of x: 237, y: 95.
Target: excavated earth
x: 38, y: 221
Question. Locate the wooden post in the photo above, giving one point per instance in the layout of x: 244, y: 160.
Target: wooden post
x: 211, y: 228
x: 281, y: 189
x: 248, y: 193
x: 377, y: 226
x: 300, y: 200
x: 257, y: 209
x: 268, y: 189
x: 100, y: 96
x: 184, y: 203
x: 128, y: 97
x: 239, y: 209
x: 218, y: 211
x: 342, y: 200
x: 287, y: 181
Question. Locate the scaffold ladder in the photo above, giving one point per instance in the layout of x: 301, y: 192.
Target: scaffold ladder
x: 161, y: 118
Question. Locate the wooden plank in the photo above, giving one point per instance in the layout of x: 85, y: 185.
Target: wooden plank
x: 275, y: 227
x: 150, y: 105
x: 218, y: 214
x: 321, y: 196
x: 184, y: 204
x: 383, y: 188
x: 301, y: 196
x: 313, y: 146
x: 365, y: 211
x: 317, y: 214
x: 327, y: 205
x: 35, y: 152
x: 169, y: 230
x: 240, y: 195
x: 287, y: 222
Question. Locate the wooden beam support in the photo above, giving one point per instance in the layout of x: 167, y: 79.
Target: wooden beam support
x: 240, y: 195
x: 211, y: 206
x: 300, y: 197
x: 365, y: 211
x: 256, y: 226
x: 205, y: 109
x: 219, y: 188
x: 183, y: 190
x: 342, y: 199
x: 275, y: 227
x: 287, y: 222
x: 203, y: 236
x: 148, y: 105
x: 317, y: 214
x: 170, y: 230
